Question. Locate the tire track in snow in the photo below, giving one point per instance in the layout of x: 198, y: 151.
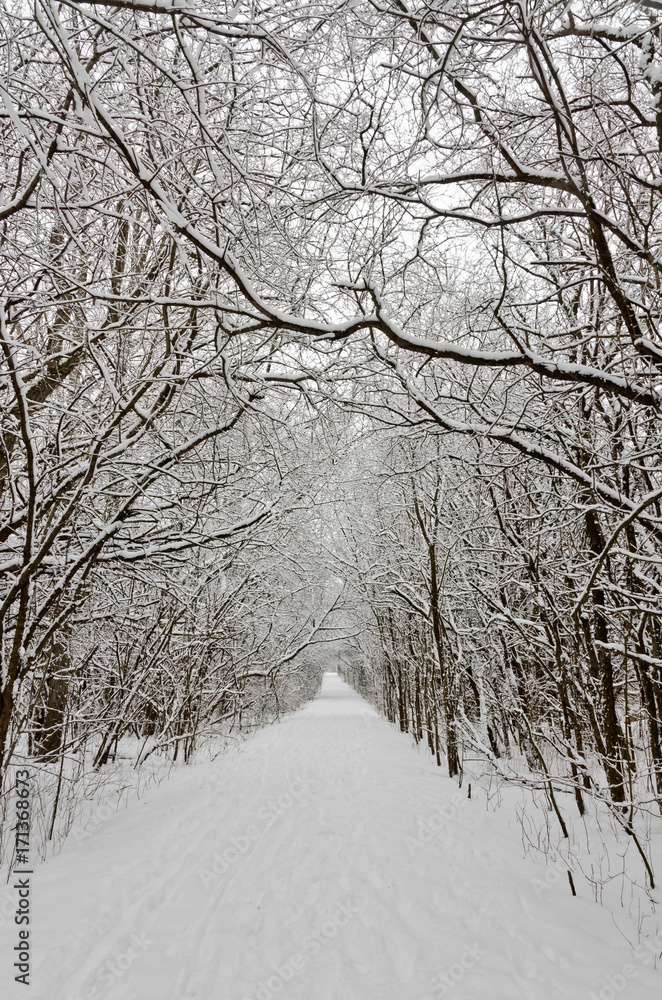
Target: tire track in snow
x: 163, y: 878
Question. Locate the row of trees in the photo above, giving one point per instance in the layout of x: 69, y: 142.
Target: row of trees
x: 509, y: 573
x: 469, y: 574
x: 153, y: 582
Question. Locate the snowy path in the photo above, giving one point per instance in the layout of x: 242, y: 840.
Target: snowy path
x: 294, y: 867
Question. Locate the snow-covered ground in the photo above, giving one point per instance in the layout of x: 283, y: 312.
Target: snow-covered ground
x: 322, y: 859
